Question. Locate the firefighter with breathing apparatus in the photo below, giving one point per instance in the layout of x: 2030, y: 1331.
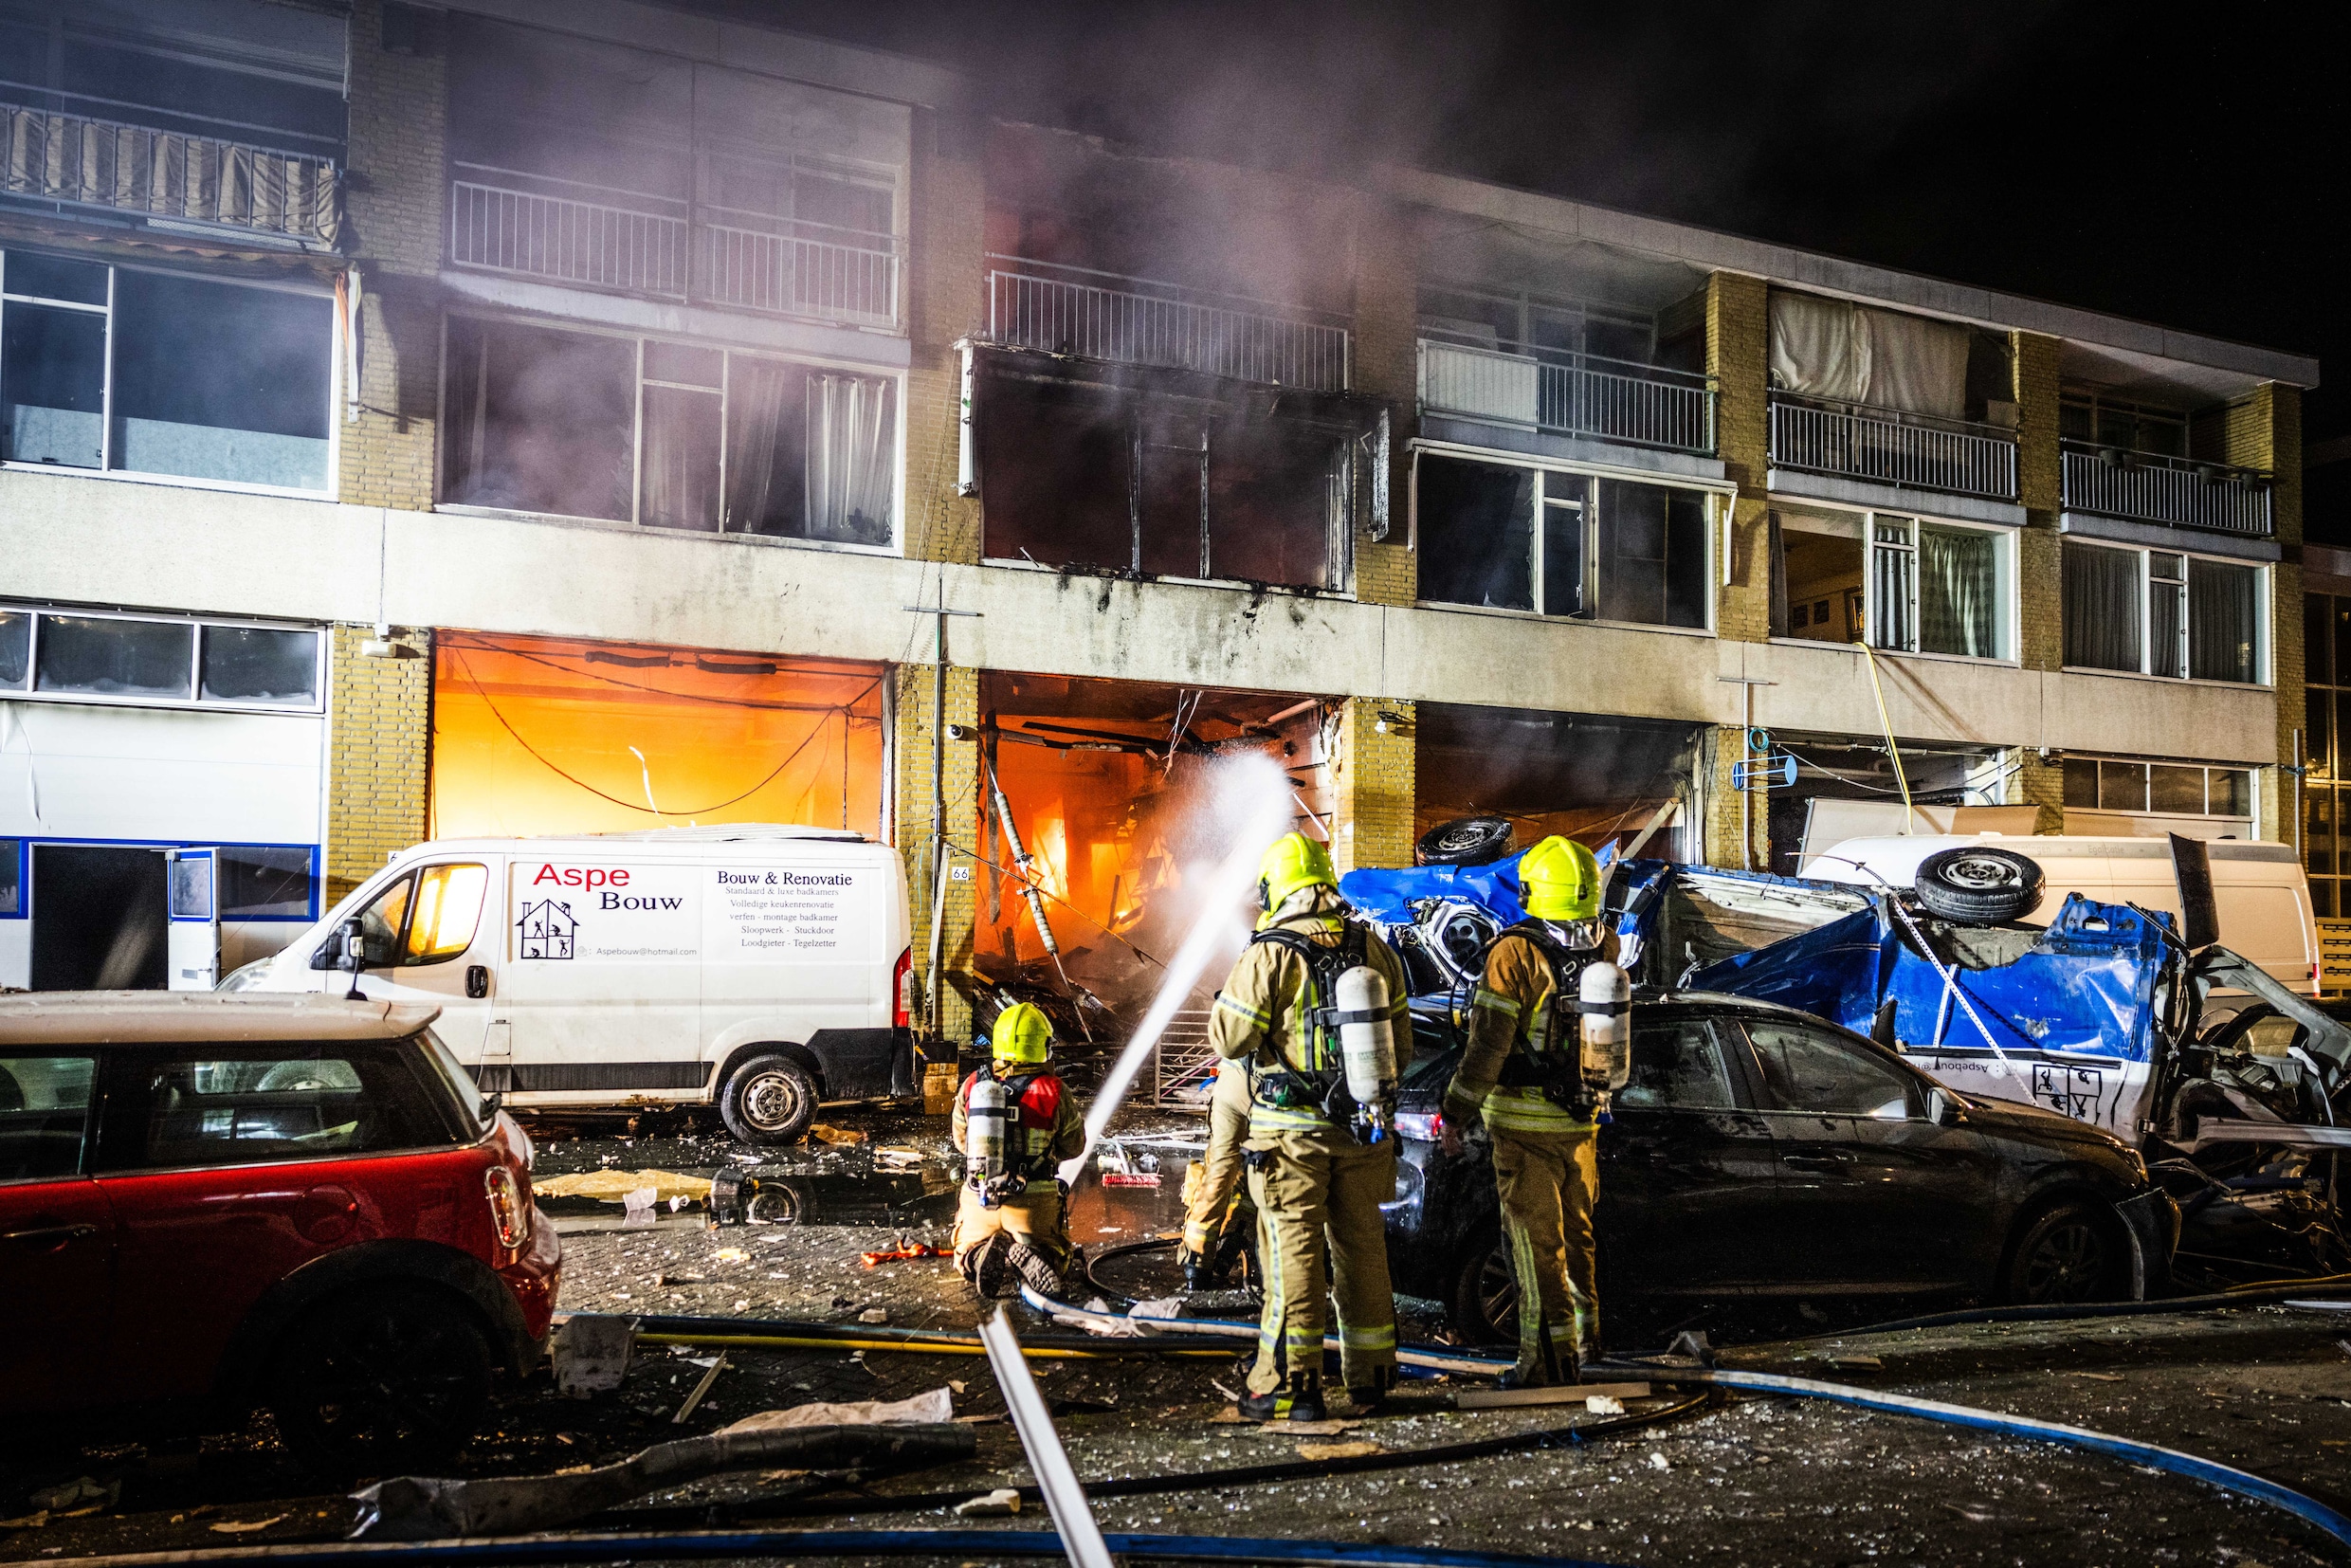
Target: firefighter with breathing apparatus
x: 1316, y: 1007
x: 1016, y: 1123
x: 1550, y: 1039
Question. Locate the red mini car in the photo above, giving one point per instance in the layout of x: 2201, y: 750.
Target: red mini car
x: 210, y: 1204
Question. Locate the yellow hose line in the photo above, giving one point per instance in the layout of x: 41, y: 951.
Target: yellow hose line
x: 1887, y: 725
x: 951, y: 1347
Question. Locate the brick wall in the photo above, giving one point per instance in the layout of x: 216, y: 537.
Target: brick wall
x: 1372, y: 784
x: 2034, y: 782
x: 2040, y: 588
x: 947, y: 299
x: 379, y: 720
x: 1387, y: 365
x: 2265, y: 431
x: 911, y: 749
x: 1738, y: 318
x: 395, y: 199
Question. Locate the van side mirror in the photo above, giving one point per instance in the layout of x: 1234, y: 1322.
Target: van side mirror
x: 352, y: 960
x: 1943, y: 1109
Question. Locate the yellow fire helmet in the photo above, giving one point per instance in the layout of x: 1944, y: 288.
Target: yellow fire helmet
x: 1294, y: 861
x: 1023, y: 1035
x: 1559, y: 881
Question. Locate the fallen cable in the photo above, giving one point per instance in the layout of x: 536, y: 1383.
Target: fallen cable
x: 794, y: 1334
x: 605, y: 1547
x: 2213, y: 1472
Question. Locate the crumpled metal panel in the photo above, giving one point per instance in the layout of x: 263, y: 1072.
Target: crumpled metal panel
x: 2087, y: 986
x: 1388, y: 896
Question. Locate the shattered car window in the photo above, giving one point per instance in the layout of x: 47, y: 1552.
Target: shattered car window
x: 1808, y: 1071
x: 1678, y: 1066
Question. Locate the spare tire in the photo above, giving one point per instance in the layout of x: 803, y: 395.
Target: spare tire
x: 1975, y: 885
x: 1464, y: 841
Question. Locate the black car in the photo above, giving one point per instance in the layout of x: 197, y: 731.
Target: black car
x: 1759, y: 1153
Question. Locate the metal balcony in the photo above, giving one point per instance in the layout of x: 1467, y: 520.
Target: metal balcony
x: 599, y: 237
x: 1888, y: 447
x: 2171, y: 492
x: 52, y: 156
x: 1575, y: 394
x: 1135, y: 322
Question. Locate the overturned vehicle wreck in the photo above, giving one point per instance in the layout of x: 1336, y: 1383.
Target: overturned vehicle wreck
x: 2234, y: 1088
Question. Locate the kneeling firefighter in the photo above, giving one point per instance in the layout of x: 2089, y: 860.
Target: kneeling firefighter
x: 1549, y: 1039
x: 1316, y: 1007
x: 1016, y: 1123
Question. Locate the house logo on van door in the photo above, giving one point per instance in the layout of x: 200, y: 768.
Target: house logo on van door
x: 547, y: 927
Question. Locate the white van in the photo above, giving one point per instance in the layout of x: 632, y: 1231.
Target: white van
x: 763, y: 968
x: 2258, y: 889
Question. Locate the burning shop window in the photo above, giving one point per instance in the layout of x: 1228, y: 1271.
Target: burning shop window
x: 543, y: 734
x: 1117, y: 476
x: 667, y: 435
x: 1508, y: 537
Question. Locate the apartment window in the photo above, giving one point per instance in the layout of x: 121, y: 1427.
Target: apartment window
x: 667, y: 435
x: 2095, y: 418
x: 266, y: 882
x: 2160, y: 612
x: 1516, y: 319
x: 1922, y: 587
x: 82, y: 656
x: 1558, y: 543
x: 114, y: 368
x: 2167, y: 789
x: 2327, y: 697
x: 1122, y: 479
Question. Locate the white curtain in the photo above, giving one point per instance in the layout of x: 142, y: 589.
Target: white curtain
x: 850, y: 439
x: 754, y: 395
x: 1956, y: 569
x: 1850, y: 353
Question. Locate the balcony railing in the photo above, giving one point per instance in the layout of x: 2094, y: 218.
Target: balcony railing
x: 1887, y: 446
x: 1570, y: 395
x: 1134, y: 322
x: 604, y: 238
x: 52, y: 156
x: 2108, y: 482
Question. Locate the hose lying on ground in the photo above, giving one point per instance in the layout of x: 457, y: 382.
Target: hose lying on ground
x: 2243, y: 1483
x: 633, y: 1547
x: 1121, y: 1326
x: 2244, y: 1295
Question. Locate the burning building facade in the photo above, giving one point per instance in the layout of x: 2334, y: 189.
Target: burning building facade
x: 504, y: 417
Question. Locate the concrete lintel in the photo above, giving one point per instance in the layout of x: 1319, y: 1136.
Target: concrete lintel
x: 808, y: 340
x: 2196, y: 541
x: 1888, y: 498
x: 1454, y: 431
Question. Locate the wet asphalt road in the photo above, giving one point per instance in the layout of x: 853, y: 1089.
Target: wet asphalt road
x: 1754, y: 1481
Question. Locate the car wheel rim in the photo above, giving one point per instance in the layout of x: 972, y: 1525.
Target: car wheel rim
x: 771, y: 1101
x: 396, y: 1379
x: 2067, y: 1264
x: 1498, y: 1293
x: 1981, y: 874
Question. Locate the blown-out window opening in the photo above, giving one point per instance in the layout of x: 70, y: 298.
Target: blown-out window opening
x: 667, y: 435
x: 1564, y: 543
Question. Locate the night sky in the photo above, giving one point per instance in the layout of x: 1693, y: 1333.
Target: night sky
x: 2182, y: 167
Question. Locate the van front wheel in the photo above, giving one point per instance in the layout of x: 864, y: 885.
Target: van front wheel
x: 768, y: 1100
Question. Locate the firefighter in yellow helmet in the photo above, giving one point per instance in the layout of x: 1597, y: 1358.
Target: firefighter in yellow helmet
x: 1319, y: 1163
x: 1016, y: 1123
x: 1522, y: 1074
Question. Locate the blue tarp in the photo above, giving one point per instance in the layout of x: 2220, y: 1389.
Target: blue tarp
x: 2086, y: 985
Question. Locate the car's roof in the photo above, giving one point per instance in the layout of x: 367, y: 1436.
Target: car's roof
x: 102, y: 1017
